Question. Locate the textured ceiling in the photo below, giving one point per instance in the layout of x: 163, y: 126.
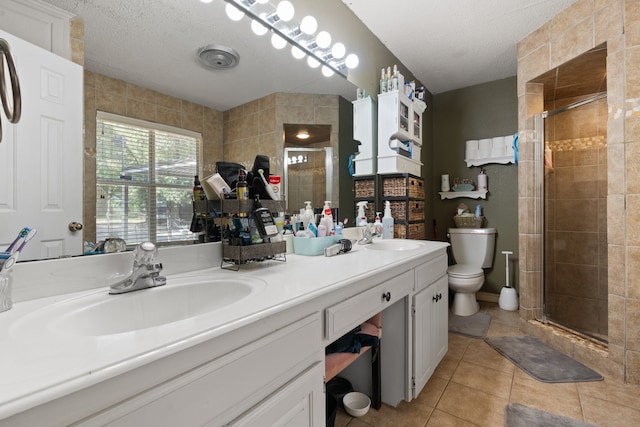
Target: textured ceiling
x: 446, y: 44
x: 456, y: 43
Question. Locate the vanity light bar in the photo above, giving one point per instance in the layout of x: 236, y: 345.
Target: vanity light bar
x: 317, y: 55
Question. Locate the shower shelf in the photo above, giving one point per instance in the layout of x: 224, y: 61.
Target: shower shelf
x: 467, y: 194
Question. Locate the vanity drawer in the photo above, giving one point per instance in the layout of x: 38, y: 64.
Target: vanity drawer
x: 348, y: 314
x: 430, y: 271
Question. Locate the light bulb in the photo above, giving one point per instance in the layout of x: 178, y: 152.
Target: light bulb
x: 326, y: 71
x: 338, y: 50
x: 257, y: 27
x: 278, y: 42
x: 285, y: 10
x: 309, y: 25
x: 323, y: 39
x: 233, y: 12
x: 262, y: 1
x: 313, y: 62
x: 297, y: 53
x: 352, y: 61
x: 206, y: 1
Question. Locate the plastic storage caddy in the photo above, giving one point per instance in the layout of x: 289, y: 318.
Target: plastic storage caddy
x: 312, y: 245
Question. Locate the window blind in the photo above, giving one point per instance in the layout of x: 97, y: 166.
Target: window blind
x: 144, y: 180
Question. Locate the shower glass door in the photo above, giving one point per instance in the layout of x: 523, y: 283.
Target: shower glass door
x: 573, y: 167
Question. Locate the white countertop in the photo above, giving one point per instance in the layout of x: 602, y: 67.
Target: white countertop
x: 39, y: 363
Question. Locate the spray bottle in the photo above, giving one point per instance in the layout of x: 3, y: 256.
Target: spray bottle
x: 387, y: 222
x: 361, y: 220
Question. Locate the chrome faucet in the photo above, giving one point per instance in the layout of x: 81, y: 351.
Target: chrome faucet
x: 145, y: 274
x: 368, y: 233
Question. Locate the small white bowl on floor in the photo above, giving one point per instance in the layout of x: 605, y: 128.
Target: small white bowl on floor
x: 356, y: 404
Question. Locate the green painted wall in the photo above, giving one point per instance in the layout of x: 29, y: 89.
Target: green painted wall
x: 481, y: 111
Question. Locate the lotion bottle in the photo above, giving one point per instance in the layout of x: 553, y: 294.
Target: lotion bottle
x: 387, y: 222
x: 327, y: 217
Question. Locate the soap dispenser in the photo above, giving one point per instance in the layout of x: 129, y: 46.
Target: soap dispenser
x: 377, y: 224
x: 387, y: 222
x: 361, y: 220
x: 308, y: 215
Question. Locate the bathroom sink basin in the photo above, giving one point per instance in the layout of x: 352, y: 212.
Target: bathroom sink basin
x: 393, y: 245
x: 102, y: 314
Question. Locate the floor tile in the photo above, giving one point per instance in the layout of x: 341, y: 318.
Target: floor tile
x: 480, y: 353
x: 488, y: 380
x: 622, y: 394
x: 473, y: 405
x: 432, y: 391
x: 412, y: 414
x: 442, y: 419
x: 609, y: 414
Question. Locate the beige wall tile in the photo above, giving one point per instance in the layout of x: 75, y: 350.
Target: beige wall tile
x: 616, y: 221
x: 573, y: 15
x: 572, y: 43
x: 617, y: 263
x: 533, y: 65
x: 534, y: 41
x: 633, y: 377
x: 632, y: 23
x: 633, y: 325
x: 633, y: 220
x: 633, y: 72
x: 608, y: 21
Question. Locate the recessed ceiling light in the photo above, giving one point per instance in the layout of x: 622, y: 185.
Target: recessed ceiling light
x: 302, y: 134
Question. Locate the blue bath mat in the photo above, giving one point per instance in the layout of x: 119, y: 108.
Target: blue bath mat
x: 542, y: 362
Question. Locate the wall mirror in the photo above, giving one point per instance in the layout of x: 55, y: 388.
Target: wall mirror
x: 308, y: 165
x: 273, y: 72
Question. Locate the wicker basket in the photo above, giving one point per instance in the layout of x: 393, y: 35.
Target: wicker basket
x: 468, y: 221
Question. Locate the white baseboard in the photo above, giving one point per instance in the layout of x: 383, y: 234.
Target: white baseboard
x: 487, y: 297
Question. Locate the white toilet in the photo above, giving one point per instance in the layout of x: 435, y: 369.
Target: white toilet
x: 472, y: 250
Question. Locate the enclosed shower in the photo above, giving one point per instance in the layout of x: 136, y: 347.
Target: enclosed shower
x: 572, y: 172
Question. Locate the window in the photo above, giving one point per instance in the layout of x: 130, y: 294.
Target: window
x: 144, y: 180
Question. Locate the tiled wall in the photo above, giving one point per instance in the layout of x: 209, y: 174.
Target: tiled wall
x: 576, y: 292
x: 582, y: 26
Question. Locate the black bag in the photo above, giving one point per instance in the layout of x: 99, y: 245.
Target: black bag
x: 256, y: 185
x: 229, y: 172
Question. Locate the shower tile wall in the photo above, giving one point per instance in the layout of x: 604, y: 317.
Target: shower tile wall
x: 576, y: 218
x: 583, y: 26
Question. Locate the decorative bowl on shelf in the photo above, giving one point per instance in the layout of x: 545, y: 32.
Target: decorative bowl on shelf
x: 462, y: 187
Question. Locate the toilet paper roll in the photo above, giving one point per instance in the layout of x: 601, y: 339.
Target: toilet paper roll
x: 497, y: 146
x: 471, y: 151
x: 484, y: 148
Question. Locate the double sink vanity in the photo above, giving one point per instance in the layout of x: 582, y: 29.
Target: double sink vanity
x: 213, y: 346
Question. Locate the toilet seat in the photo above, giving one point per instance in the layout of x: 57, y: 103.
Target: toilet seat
x: 465, y: 271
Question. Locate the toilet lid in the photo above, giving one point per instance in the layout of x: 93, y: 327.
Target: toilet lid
x: 464, y: 270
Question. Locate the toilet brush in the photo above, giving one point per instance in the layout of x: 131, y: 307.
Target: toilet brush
x: 508, y: 296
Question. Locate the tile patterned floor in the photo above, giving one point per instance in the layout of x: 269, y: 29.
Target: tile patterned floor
x: 473, y: 383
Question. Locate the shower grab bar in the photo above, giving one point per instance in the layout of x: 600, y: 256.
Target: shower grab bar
x: 12, y: 116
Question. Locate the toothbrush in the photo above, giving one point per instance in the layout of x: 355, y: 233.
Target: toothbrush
x: 23, y: 233
x: 32, y: 232
x: 267, y: 186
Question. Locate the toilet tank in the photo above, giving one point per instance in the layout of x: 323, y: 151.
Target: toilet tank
x: 473, y: 246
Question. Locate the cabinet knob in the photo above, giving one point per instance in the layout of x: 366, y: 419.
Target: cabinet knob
x: 386, y: 296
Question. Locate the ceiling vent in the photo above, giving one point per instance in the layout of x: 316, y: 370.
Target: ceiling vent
x: 218, y: 57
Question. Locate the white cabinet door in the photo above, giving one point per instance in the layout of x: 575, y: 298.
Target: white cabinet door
x: 430, y: 331
x: 298, y: 404
x: 41, y: 156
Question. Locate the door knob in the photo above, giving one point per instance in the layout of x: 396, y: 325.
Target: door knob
x: 75, y: 226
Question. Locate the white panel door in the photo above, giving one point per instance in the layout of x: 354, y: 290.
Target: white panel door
x: 41, y: 156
